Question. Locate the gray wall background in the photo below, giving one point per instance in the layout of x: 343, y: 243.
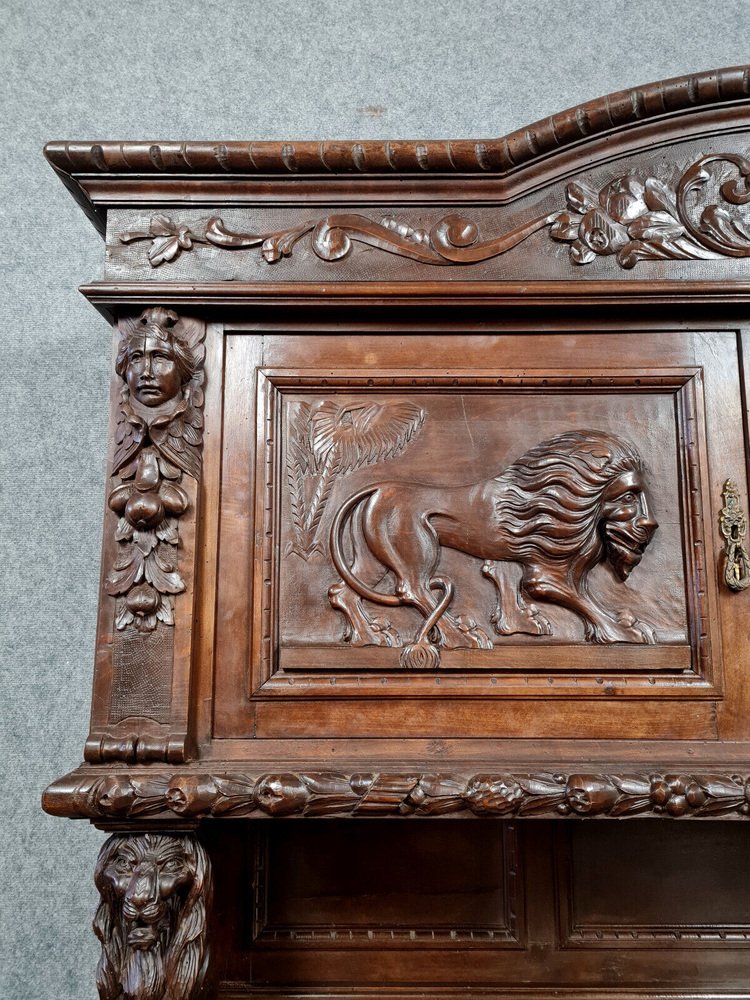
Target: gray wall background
x: 205, y: 69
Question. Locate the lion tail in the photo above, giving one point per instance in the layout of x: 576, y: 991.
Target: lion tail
x: 337, y: 551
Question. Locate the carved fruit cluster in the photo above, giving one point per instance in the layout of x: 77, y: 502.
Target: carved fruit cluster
x: 368, y: 794
x: 157, y: 439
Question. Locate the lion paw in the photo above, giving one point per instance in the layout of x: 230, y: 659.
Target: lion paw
x: 528, y: 621
x: 641, y: 631
x: 373, y: 632
x: 627, y: 628
x: 383, y: 633
x: 475, y: 635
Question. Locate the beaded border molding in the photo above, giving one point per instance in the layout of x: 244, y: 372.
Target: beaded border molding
x: 549, y: 794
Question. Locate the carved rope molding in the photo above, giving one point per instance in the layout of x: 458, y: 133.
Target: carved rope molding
x: 240, y: 794
x: 158, y: 438
x: 630, y: 218
x: 614, y: 112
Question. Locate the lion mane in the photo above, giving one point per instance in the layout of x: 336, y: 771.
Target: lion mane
x: 551, y: 495
x: 177, y: 967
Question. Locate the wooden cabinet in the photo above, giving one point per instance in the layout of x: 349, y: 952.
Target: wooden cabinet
x: 428, y: 483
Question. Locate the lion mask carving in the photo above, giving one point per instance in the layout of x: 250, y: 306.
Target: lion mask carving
x: 569, y: 503
x: 151, y: 920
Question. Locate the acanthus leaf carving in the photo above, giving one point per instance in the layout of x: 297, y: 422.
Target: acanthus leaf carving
x: 636, y: 219
x: 158, y: 438
x: 452, y: 240
x: 666, y: 793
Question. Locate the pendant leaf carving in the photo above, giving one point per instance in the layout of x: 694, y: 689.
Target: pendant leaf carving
x: 158, y: 438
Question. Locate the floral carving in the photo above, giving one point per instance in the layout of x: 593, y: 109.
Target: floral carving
x: 158, y: 438
x: 195, y: 794
x: 649, y: 219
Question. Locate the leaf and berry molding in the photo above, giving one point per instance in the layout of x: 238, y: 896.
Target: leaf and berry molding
x: 667, y: 215
x: 158, y: 439
x: 545, y: 794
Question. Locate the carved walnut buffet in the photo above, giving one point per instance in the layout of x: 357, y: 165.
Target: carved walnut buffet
x: 427, y: 497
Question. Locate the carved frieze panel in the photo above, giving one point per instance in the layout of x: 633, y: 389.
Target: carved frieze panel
x: 691, y: 209
x: 475, y: 523
x: 672, y: 794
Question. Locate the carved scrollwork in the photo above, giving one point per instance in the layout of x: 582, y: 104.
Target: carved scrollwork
x: 452, y: 240
x: 158, y: 438
x: 649, y: 219
x: 566, y: 505
x: 155, y: 891
x: 632, y: 218
x: 671, y: 794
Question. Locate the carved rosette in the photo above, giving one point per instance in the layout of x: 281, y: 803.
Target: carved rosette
x: 155, y: 891
x: 158, y: 439
x: 634, y: 217
x: 552, y: 794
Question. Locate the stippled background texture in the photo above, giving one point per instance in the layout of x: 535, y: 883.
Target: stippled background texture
x: 205, y: 69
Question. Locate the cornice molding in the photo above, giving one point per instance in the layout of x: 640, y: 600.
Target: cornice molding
x: 84, y: 165
x: 614, y: 111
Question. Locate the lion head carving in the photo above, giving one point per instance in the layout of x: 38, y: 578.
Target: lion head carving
x: 582, y: 494
x: 567, y: 504
x: 151, y: 920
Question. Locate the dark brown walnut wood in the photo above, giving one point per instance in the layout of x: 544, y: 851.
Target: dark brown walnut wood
x: 240, y: 794
x: 155, y: 894
x: 633, y: 219
x: 429, y: 467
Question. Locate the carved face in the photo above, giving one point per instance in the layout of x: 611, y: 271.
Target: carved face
x: 147, y: 874
x: 151, y: 919
x: 152, y: 371
x: 627, y: 524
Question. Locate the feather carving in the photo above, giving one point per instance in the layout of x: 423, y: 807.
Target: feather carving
x: 331, y: 439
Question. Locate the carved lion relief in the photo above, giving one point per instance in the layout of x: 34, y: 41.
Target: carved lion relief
x: 569, y: 503
x: 151, y: 920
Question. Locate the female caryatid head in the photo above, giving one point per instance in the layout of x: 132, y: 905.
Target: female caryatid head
x: 153, y: 359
